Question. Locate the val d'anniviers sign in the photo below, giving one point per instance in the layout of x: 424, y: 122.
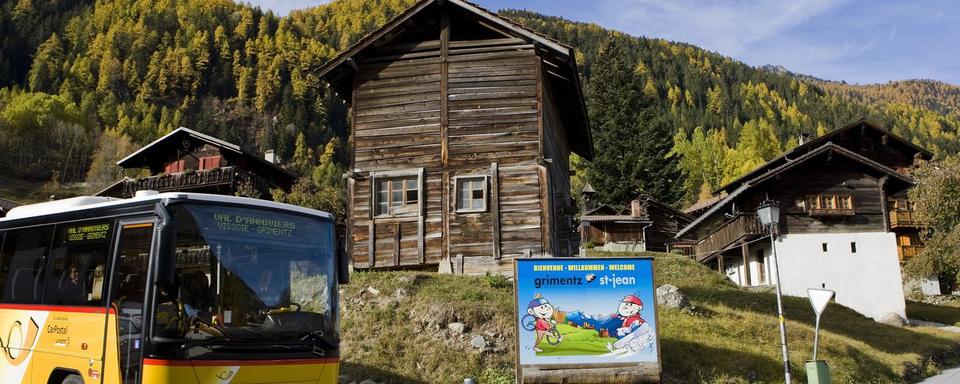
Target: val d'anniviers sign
x: 590, y: 320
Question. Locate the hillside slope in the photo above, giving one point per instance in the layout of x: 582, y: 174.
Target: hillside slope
x: 395, y: 329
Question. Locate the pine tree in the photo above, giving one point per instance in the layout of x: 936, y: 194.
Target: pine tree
x: 632, y: 143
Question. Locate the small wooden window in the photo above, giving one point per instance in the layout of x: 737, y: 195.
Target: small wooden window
x: 396, y: 196
x: 471, y: 193
x: 173, y: 167
x: 209, y: 162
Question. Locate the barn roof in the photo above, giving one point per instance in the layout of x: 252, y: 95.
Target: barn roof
x: 828, y: 149
x: 559, y: 62
x: 815, y: 144
x: 142, y: 158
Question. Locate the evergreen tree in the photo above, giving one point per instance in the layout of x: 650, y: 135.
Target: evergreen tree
x: 632, y: 144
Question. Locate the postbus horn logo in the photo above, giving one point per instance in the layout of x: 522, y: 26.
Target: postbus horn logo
x: 18, y: 354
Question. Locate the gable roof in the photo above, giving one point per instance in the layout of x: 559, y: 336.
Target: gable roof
x: 340, y: 70
x: 140, y: 158
x: 825, y: 149
x: 816, y: 144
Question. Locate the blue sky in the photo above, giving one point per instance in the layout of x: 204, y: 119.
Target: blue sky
x: 859, y: 41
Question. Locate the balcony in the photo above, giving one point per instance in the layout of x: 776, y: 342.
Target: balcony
x: 228, y: 178
x: 909, y: 251
x: 903, y: 219
x: 731, y: 232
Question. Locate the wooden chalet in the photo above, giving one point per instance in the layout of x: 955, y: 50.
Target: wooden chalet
x: 190, y: 161
x: 647, y: 225
x: 841, y: 194
x: 463, y: 123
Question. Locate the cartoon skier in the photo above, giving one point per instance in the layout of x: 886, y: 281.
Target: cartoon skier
x: 544, y: 325
x: 634, y: 333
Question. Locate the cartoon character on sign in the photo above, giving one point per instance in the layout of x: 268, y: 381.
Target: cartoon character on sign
x: 539, y: 318
x: 634, y: 334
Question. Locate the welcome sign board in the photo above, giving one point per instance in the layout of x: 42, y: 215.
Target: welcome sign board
x: 587, y: 312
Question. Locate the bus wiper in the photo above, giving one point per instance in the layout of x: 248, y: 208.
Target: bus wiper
x: 320, y: 336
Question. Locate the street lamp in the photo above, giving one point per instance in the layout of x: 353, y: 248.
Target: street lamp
x: 769, y: 215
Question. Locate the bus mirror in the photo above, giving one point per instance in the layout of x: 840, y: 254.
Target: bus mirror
x: 343, y: 266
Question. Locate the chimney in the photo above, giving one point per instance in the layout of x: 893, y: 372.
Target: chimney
x: 803, y: 138
x: 270, y: 156
x: 635, y: 210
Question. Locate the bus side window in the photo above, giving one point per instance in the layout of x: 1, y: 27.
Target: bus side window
x: 21, y: 263
x: 79, y: 248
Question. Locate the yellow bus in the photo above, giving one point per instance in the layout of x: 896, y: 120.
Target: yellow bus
x: 169, y: 288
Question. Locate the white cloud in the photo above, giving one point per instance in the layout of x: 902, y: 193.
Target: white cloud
x: 727, y: 26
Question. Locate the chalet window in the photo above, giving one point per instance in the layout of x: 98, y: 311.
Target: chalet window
x: 396, y: 196
x: 471, y: 193
x: 173, y: 167
x: 209, y: 162
x: 830, y: 205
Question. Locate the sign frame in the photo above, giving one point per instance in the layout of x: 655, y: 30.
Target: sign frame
x: 629, y: 371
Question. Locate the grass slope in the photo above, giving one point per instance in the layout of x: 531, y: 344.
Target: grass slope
x: 399, y: 334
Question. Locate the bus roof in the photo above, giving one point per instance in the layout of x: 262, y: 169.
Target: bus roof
x: 94, y: 202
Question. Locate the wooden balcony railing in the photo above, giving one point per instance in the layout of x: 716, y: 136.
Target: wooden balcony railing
x: 909, y: 251
x: 903, y: 219
x: 193, y: 180
x: 731, y: 232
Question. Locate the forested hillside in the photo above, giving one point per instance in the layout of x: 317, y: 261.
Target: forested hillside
x: 729, y: 117
x: 84, y: 82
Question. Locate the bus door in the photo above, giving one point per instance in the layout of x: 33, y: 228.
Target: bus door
x: 127, y: 297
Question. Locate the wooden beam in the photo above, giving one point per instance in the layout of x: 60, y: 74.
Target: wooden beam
x: 396, y: 243
x: 421, y: 216
x: 444, y: 125
x: 883, y: 203
x: 745, y: 249
x: 495, y: 207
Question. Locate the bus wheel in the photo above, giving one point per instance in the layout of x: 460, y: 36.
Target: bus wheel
x: 72, y: 379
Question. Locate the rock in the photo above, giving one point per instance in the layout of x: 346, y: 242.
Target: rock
x: 370, y: 381
x: 478, y: 342
x: 669, y: 296
x: 401, y: 293
x: 373, y: 291
x: 458, y: 328
x: 893, y: 320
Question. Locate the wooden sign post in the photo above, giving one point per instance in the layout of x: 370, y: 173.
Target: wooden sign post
x: 586, y: 320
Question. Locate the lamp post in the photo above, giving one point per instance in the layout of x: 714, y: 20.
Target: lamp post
x: 769, y: 215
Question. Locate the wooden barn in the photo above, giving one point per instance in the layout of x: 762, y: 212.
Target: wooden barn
x: 645, y: 225
x: 190, y: 161
x: 463, y: 123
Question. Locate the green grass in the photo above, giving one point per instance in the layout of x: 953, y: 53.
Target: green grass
x: 945, y: 314
x: 731, y: 335
x: 576, y: 341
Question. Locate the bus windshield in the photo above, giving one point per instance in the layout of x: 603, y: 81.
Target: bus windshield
x: 248, y: 274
